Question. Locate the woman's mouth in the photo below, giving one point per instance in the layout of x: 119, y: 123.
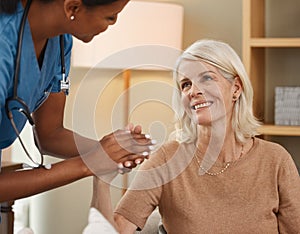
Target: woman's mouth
x: 201, y: 105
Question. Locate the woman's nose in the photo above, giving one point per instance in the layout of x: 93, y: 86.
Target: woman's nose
x: 195, y: 91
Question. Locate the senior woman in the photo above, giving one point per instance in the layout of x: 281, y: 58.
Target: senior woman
x: 216, y: 176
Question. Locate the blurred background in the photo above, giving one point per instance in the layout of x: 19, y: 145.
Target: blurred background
x: 95, y: 106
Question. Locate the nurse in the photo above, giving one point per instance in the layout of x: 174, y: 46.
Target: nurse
x: 35, y: 45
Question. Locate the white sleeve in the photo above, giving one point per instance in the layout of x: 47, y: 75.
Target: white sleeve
x: 98, y: 224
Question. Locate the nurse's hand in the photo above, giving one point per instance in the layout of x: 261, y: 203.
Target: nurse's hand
x: 129, y: 147
x: 119, y: 151
x: 136, y: 130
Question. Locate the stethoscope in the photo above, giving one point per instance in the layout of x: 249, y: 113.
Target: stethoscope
x: 15, y: 103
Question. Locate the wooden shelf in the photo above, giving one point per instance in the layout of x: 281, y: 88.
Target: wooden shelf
x: 275, y: 42
x: 277, y: 130
x: 255, y: 60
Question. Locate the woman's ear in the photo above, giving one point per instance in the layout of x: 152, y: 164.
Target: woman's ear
x: 237, y: 88
x: 71, y: 8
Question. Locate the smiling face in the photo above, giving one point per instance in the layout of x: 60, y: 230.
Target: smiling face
x: 91, y: 21
x: 206, y: 95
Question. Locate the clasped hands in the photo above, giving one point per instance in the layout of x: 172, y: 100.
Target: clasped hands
x: 120, y: 151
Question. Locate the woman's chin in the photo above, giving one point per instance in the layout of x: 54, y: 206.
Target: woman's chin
x: 203, y: 121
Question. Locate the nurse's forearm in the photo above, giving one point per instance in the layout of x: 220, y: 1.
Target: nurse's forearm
x: 64, y: 143
x: 54, y: 138
x: 19, y: 184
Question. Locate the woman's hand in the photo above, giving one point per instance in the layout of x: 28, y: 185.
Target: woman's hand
x: 145, y: 155
x: 119, y: 151
x: 124, y: 146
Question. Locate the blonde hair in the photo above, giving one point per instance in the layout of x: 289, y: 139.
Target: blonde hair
x: 223, y: 57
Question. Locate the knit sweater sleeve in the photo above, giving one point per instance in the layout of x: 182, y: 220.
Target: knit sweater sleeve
x: 142, y: 196
x: 289, y: 202
x: 145, y: 192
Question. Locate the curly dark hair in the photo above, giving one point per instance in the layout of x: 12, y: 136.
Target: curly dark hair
x: 10, y: 6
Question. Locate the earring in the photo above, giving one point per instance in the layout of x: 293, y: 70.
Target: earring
x: 234, y: 98
x: 72, y: 17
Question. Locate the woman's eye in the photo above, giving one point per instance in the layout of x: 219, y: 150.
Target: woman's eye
x: 206, y: 78
x: 185, y: 85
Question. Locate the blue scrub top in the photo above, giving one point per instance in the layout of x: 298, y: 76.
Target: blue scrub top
x: 35, y: 84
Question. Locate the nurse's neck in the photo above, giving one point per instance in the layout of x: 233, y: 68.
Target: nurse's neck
x: 45, y: 20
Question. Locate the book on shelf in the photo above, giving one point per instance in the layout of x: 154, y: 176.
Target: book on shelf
x: 287, y: 106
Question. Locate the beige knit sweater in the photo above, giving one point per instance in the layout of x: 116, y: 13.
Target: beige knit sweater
x: 259, y: 193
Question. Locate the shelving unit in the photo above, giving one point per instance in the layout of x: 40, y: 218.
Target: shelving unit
x: 280, y: 130
x: 254, y: 57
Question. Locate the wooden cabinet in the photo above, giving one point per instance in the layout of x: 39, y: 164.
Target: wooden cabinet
x: 272, y: 58
x: 255, y: 46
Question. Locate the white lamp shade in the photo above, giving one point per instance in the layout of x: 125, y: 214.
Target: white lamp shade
x: 139, y: 24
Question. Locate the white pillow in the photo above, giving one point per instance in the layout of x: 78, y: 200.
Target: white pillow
x: 98, y: 224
